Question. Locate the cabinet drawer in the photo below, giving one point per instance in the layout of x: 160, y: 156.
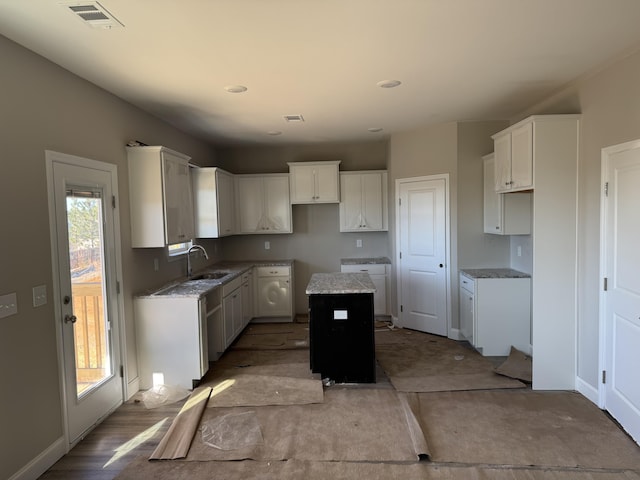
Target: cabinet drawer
x: 467, y: 283
x: 246, y: 276
x: 371, y: 269
x: 230, y: 286
x: 273, y: 271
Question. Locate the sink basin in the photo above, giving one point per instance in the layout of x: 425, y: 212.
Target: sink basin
x: 210, y: 276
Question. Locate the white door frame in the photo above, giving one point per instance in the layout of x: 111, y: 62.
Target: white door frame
x: 118, y: 304
x: 602, y: 333
x: 447, y: 266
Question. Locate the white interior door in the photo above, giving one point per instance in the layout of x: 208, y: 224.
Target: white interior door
x: 84, y: 233
x: 422, y: 254
x: 621, y: 301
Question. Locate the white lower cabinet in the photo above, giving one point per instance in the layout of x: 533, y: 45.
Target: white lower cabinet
x: 495, y: 314
x: 379, y: 274
x: 172, y: 339
x: 232, y: 310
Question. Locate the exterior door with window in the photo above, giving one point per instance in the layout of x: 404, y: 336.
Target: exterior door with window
x: 84, y: 235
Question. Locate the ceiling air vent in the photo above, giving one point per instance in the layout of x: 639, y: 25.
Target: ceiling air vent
x: 294, y: 118
x: 92, y: 13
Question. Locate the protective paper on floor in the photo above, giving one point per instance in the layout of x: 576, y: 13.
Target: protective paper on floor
x: 419, y: 362
x: 177, y: 440
x: 141, y: 469
x: 517, y: 365
x: 523, y: 427
x: 239, y: 390
x: 351, y: 424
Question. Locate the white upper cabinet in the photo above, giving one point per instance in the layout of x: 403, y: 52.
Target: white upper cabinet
x: 160, y: 197
x: 504, y: 213
x: 262, y: 204
x: 214, y: 202
x: 314, y: 182
x: 363, y: 201
x: 514, y: 158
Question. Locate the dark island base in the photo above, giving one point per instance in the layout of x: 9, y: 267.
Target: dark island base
x: 341, y: 337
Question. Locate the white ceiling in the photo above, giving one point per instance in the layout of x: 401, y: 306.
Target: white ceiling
x: 457, y: 59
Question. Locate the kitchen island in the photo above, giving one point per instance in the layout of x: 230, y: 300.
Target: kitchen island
x: 341, y: 318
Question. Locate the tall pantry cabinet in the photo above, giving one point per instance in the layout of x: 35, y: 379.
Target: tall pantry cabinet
x: 550, y: 142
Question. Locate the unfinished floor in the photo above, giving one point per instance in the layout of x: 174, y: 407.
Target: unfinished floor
x: 437, y: 411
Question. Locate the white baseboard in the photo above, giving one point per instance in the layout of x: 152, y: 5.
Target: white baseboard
x: 454, y: 334
x: 42, y: 462
x: 132, y: 388
x: 589, y: 391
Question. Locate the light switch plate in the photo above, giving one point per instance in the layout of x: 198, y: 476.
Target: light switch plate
x: 39, y: 295
x: 8, y: 305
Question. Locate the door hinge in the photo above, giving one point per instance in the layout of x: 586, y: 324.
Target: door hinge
x: 400, y: 255
x: 121, y: 371
x: 606, y: 189
x: 118, y: 288
x: 401, y: 309
x: 604, y: 376
x: 113, y: 201
x: 400, y: 201
x: 606, y: 284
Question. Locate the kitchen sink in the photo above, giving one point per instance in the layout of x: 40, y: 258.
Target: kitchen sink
x: 210, y: 276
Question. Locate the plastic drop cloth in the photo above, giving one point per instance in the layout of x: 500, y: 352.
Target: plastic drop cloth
x: 232, y: 431
x: 163, y: 395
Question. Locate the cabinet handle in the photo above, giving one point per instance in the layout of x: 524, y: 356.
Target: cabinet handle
x: 497, y: 228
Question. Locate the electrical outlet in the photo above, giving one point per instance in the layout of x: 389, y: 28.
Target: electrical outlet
x: 156, y: 265
x: 39, y: 295
x: 358, y: 243
x: 267, y: 245
x: 519, y: 251
x: 8, y: 305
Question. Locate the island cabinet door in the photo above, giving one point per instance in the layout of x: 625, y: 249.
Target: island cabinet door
x: 341, y: 337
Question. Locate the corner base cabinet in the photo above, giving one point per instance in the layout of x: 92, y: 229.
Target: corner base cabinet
x: 495, y: 314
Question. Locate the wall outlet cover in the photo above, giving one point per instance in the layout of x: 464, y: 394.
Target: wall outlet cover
x: 8, y: 305
x: 39, y: 295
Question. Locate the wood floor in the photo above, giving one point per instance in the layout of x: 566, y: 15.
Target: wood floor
x: 132, y: 430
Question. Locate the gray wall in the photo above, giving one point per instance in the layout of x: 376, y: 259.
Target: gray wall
x: 609, y: 101
x: 46, y: 107
x: 316, y: 243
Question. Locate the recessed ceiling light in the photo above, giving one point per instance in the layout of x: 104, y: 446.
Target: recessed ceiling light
x: 374, y: 129
x: 235, y: 88
x: 388, y: 83
x: 274, y: 133
x: 294, y: 118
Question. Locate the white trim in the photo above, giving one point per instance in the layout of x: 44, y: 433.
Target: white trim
x: 602, y: 328
x: 454, y: 334
x: 447, y: 202
x: 589, y: 391
x: 50, y: 158
x: 42, y: 462
x: 133, y: 387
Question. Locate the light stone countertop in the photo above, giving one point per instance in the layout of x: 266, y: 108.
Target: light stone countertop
x: 494, y: 273
x: 184, y: 287
x: 340, y: 283
x: 365, y: 261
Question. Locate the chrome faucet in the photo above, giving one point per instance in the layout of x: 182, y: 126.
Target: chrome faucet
x: 191, y: 249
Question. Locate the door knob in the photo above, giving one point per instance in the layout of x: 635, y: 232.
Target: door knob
x: 441, y: 265
x: 70, y: 319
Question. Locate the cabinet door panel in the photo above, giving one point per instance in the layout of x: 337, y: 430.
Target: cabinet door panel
x: 302, y: 184
x: 351, y: 202
x: 372, y: 207
x: 179, y: 222
x: 326, y: 178
x: 502, y: 173
x: 492, y: 200
x: 277, y: 205
x: 250, y: 203
x: 226, y: 204
x: 522, y: 156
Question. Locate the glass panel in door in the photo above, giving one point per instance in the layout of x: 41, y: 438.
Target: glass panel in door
x: 86, y: 264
